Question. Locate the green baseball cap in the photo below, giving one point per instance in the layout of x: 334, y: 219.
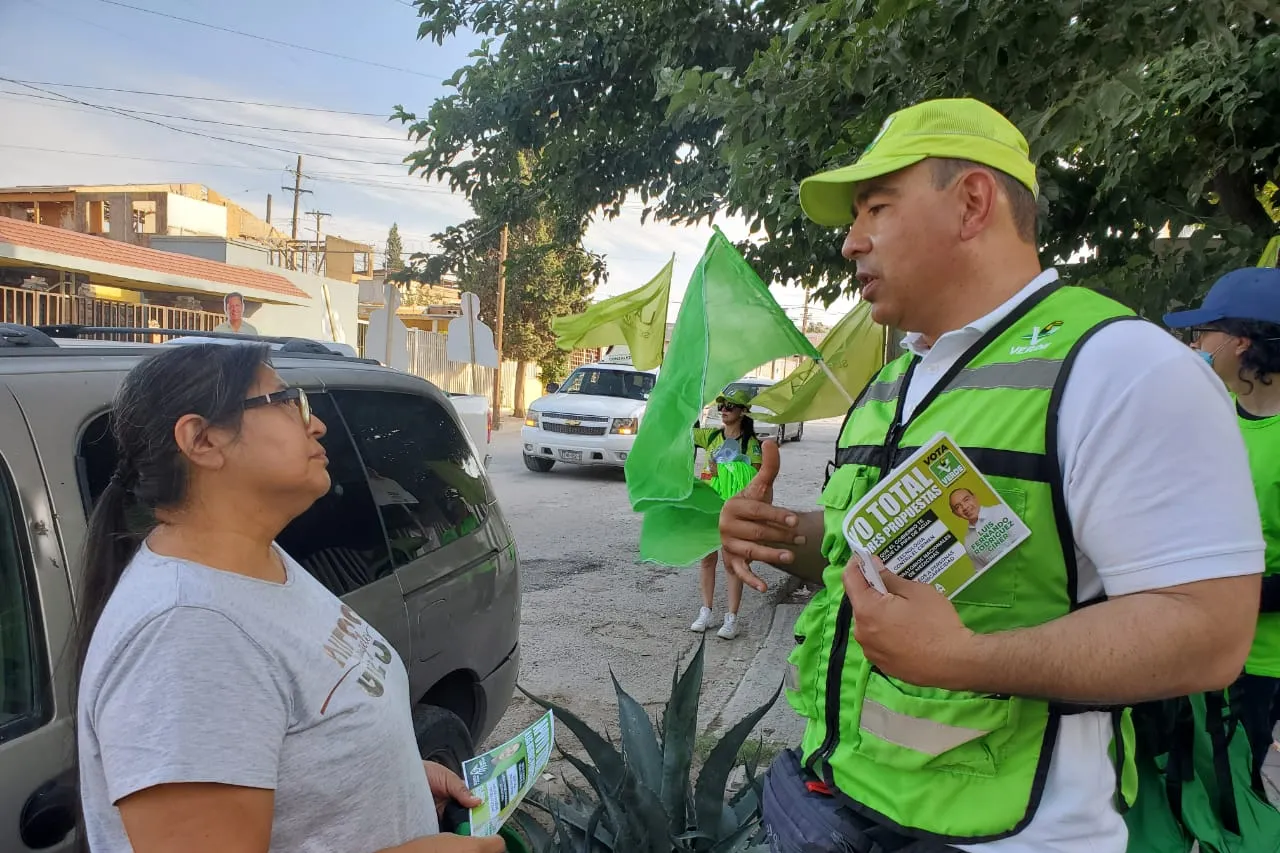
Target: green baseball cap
x: 959, y: 128
x: 737, y: 397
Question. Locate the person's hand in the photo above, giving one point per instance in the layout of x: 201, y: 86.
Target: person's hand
x: 913, y: 632
x: 752, y: 528
x: 447, y: 786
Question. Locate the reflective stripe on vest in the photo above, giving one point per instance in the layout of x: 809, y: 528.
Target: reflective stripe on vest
x: 1029, y: 374
x: 917, y: 733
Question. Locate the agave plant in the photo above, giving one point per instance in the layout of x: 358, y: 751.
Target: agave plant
x: 642, y: 797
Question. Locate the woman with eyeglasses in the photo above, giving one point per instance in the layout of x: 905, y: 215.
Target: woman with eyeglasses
x: 734, y: 454
x: 212, y: 713
x: 1237, y: 333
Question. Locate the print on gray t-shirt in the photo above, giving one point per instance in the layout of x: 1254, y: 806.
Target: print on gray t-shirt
x: 200, y: 675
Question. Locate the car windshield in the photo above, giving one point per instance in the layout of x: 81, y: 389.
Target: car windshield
x: 630, y: 385
x: 751, y: 389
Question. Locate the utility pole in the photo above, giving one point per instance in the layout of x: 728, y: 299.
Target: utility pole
x: 297, y: 191
x: 268, y: 210
x: 497, y: 328
x: 804, y: 315
x: 318, y: 215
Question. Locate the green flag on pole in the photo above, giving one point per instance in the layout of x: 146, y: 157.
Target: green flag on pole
x: 853, y: 352
x: 637, y: 318
x: 728, y: 324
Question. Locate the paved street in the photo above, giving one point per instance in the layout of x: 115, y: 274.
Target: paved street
x: 590, y: 607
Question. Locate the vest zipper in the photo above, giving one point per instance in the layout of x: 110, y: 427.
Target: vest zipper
x: 844, y: 616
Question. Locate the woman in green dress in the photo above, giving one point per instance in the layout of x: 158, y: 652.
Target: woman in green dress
x: 734, y: 454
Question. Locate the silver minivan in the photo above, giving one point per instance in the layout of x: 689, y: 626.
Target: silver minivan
x: 410, y: 535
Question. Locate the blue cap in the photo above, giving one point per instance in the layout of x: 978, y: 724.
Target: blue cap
x: 1252, y: 293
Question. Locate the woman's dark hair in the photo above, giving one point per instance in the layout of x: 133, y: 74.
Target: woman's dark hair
x: 748, y: 429
x: 1262, y: 358
x: 209, y: 380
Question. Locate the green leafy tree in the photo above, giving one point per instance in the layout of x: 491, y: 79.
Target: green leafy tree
x: 1153, y: 122
x: 395, y: 249
x: 548, y: 273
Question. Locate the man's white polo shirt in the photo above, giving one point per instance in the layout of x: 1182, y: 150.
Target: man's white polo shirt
x: 1158, y: 489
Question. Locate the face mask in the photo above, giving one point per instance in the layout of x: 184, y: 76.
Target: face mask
x: 1208, y: 356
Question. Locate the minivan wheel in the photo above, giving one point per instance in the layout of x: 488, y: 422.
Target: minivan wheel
x: 537, y: 463
x: 442, y: 736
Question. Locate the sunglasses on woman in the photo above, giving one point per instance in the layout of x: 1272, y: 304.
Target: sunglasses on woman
x: 730, y: 407
x: 289, y: 396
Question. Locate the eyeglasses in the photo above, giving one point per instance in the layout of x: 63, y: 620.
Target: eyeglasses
x: 1197, y: 331
x: 292, y: 396
x: 729, y: 407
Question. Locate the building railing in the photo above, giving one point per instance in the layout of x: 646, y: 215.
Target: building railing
x: 38, y: 308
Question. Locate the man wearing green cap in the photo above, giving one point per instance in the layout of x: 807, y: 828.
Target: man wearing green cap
x: 996, y: 721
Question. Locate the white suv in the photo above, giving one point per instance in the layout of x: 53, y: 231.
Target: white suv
x: 589, y: 420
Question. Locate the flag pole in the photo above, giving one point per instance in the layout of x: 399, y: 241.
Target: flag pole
x: 827, y: 370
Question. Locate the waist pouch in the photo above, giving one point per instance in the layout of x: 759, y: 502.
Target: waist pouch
x: 801, y: 815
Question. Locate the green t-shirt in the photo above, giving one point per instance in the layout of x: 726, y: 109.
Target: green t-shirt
x: 721, y: 449
x: 1262, y: 440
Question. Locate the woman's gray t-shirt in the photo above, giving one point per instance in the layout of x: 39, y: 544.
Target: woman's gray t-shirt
x: 200, y: 675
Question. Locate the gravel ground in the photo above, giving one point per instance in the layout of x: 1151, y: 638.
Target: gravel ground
x: 591, y: 608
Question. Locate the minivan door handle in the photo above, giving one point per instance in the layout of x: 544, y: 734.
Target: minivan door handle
x: 48, y: 816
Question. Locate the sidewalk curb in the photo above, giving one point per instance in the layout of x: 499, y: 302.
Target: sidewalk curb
x: 765, y: 674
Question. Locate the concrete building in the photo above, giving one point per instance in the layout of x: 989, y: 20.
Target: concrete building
x: 131, y: 213
x: 44, y: 275
x: 51, y: 276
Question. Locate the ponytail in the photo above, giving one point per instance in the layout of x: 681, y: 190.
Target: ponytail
x: 109, y: 546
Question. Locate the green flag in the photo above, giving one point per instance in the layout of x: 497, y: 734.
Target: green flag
x: 1270, y: 253
x: 853, y: 351
x: 728, y: 324
x: 637, y: 318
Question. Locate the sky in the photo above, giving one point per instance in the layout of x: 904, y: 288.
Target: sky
x: 248, y: 105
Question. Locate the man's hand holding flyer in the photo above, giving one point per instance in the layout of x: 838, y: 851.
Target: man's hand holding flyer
x: 934, y: 519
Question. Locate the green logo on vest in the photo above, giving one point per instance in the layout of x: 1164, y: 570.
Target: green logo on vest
x: 946, y: 468
x: 1036, y: 339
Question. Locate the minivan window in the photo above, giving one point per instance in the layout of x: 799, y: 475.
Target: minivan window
x: 426, y: 482
x: 23, y: 676
x: 631, y: 385
x: 339, y: 540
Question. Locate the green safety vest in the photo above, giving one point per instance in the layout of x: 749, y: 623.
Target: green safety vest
x: 952, y: 766
x: 1262, y: 440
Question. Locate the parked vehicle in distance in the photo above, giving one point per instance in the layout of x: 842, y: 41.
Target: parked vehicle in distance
x: 591, y: 419
x: 410, y: 535
x: 752, y: 386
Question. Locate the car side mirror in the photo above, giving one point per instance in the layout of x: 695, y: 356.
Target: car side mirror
x: 553, y: 387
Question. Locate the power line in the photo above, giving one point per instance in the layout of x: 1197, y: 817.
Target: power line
x: 196, y: 98
x: 272, y: 41
x: 190, y: 132
x: 324, y: 177
x: 60, y: 104
x: 241, y: 136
